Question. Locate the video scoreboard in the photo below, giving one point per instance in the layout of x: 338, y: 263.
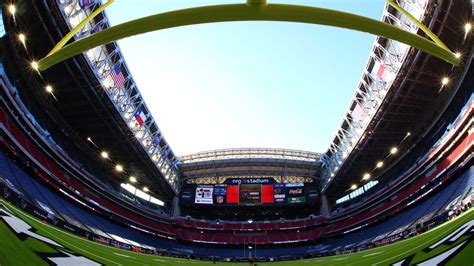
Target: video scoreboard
x: 249, y: 192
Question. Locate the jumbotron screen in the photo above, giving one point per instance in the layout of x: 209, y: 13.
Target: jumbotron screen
x: 250, y: 192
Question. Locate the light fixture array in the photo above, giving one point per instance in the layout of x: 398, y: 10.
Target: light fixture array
x: 33, y: 64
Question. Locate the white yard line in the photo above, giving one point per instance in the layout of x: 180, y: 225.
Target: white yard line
x: 422, y: 244
x: 122, y: 255
x: 372, y: 254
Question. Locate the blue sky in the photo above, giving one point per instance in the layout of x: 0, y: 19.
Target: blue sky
x: 246, y: 84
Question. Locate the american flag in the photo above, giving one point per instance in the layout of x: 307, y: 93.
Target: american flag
x: 117, y: 75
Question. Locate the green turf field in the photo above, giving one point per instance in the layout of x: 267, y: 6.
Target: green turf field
x: 22, y: 249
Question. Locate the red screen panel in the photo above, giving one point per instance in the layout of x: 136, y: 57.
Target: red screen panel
x: 267, y: 194
x: 232, y: 194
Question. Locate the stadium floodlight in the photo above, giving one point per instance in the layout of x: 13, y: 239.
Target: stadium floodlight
x: 12, y: 9
x: 408, y: 134
x: 133, y: 179
x: 95, y: 145
x: 34, y: 65
x: 104, y: 154
x: 22, y: 38
x: 458, y: 55
x: 366, y: 176
x: 49, y: 89
x: 394, y: 150
x: 145, y: 189
x: 119, y: 168
x: 445, y: 81
x: 467, y: 27
x: 379, y: 164
x: 354, y: 187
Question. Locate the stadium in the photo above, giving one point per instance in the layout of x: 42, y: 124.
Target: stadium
x: 88, y: 178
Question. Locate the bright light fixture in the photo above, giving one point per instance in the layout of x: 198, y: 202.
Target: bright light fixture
x: 12, y: 9
x: 49, y: 89
x: 366, y: 176
x: 394, y: 150
x: 22, y: 38
x: 354, y: 187
x: 457, y: 55
x: 119, y: 168
x: 34, y: 65
x: 133, y: 179
x: 445, y: 81
x: 379, y: 164
x: 467, y: 27
x: 104, y: 154
x: 145, y: 189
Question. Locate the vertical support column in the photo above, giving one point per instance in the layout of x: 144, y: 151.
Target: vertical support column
x: 175, y: 210
x: 324, y: 206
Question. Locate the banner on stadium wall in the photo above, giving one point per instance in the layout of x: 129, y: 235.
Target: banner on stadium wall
x: 312, y: 194
x: 296, y: 200
x: 238, y: 181
x: 298, y: 184
x: 279, y: 193
x: 296, y: 191
x: 204, y: 195
x: 186, y: 195
x: 220, y: 192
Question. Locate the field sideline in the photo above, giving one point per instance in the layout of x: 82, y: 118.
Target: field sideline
x: 23, y: 249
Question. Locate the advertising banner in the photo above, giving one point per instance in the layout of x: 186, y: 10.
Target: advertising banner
x: 204, y: 195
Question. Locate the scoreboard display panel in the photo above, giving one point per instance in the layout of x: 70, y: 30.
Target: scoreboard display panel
x: 267, y: 194
x: 251, y: 192
x: 232, y: 194
x: 279, y: 193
